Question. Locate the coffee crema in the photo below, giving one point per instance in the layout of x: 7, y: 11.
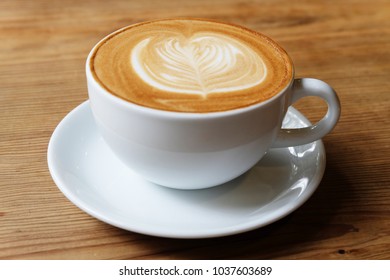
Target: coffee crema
x: 190, y: 65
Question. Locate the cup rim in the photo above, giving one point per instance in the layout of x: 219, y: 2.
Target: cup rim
x: 166, y: 113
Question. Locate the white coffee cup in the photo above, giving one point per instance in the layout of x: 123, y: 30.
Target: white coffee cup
x: 200, y: 150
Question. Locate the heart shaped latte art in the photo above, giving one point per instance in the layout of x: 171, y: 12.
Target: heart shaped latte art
x: 201, y: 64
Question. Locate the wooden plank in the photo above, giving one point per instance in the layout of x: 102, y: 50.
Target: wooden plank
x: 43, y: 49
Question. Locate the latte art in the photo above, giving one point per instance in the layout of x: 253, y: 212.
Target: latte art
x: 190, y: 65
x: 202, y: 64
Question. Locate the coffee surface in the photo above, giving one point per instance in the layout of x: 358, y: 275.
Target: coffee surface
x: 190, y: 65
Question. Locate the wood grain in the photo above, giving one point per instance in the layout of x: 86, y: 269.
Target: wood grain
x: 346, y: 43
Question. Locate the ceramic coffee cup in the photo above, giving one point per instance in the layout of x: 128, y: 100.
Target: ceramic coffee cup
x: 190, y: 150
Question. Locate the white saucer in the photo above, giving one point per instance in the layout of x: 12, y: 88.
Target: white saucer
x: 92, y: 178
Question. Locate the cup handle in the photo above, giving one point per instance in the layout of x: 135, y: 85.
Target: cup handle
x: 300, y: 136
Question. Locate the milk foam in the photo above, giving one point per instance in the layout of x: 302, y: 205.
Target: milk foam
x: 190, y: 65
x: 203, y: 63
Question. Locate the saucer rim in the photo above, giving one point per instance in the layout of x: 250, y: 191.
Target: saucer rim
x: 280, y: 213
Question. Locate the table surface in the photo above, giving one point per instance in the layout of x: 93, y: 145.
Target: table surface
x: 43, y: 49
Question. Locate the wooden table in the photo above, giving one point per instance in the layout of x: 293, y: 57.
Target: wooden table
x: 43, y: 48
